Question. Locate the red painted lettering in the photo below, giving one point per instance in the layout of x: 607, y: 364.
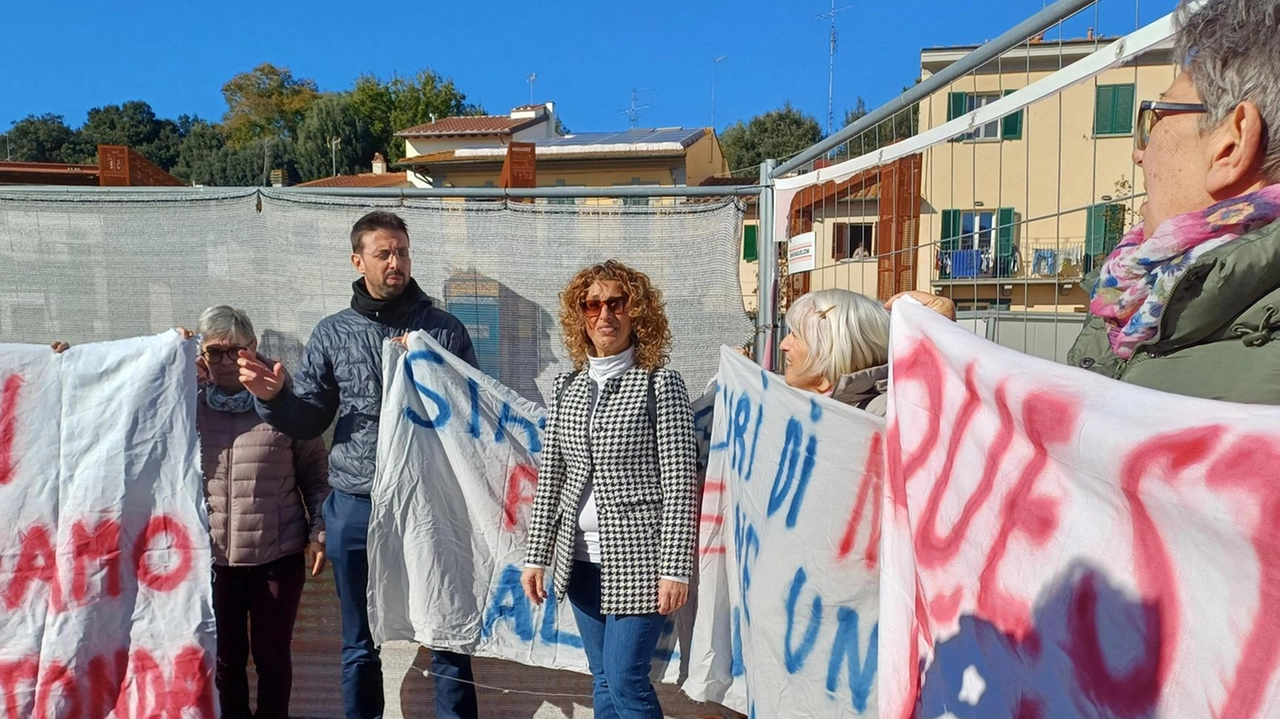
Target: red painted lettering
x: 57, y: 677
x: 1047, y: 420
x: 1166, y: 457
x: 192, y: 686
x: 17, y: 678
x: 179, y: 543
x: 923, y: 365
x: 934, y: 550
x: 868, y: 489
x: 105, y: 684
x: 1251, y: 464
x: 522, y: 484
x: 8, y: 425
x: 1133, y: 695
x: 36, y: 563
x: 102, y: 546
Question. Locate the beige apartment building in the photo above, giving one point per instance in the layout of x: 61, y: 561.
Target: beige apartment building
x: 1016, y: 212
x: 1011, y: 215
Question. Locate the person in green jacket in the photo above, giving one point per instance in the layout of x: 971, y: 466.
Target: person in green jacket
x: 1189, y: 301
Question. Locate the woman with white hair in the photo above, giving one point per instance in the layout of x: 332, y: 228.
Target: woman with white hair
x: 839, y: 346
x: 265, y: 491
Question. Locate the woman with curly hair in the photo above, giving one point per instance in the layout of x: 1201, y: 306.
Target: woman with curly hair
x: 616, y: 505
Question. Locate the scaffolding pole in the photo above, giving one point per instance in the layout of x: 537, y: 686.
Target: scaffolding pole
x: 767, y: 264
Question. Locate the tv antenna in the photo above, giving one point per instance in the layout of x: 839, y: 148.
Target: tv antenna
x: 532, y: 80
x: 830, y: 15
x: 633, y: 112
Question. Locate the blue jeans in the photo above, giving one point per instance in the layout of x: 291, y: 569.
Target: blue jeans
x: 346, y: 518
x: 619, y: 650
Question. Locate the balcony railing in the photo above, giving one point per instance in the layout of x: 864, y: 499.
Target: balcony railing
x: 1034, y: 260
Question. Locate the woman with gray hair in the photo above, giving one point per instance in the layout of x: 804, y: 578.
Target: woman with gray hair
x: 265, y: 491
x: 838, y: 345
x: 1189, y: 301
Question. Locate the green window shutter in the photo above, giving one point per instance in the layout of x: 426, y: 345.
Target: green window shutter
x: 1005, y: 221
x: 1011, y: 125
x: 1122, y: 111
x: 950, y: 230
x: 750, y: 252
x: 1095, y: 232
x: 957, y: 105
x: 1104, y: 110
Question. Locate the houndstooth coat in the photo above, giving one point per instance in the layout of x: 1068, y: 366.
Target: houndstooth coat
x: 644, y: 482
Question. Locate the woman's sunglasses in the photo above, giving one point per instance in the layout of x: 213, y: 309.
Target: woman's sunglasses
x: 1151, y: 111
x: 593, y: 308
x: 217, y: 354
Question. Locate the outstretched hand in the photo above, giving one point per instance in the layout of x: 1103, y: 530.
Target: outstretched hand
x: 262, y: 381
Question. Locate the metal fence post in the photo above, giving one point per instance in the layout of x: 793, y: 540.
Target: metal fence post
x: 767, y: 264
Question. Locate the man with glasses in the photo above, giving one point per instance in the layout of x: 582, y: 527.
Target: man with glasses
x: 341, y: 375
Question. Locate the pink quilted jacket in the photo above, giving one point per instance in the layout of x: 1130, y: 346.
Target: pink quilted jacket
x: 265, y: 490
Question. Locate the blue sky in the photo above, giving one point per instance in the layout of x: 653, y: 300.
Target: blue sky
x: 69, y: 56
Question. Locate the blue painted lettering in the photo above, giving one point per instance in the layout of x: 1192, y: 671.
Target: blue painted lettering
x: 473, y: 427
x: 860, y: 675
x: 509, y: 603
x: 509, y: 418
x: 786, y: 476
x: 738, y: 668
x: 551, y: 632
x: 746, y: 547
x: 443, y: 411
x: 795, y: 658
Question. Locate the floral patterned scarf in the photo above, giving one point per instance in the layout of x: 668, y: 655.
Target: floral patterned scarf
x: 1138, y: 278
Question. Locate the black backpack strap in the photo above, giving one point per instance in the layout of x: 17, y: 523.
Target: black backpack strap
x: 651, y: 404
x: 567, y: 381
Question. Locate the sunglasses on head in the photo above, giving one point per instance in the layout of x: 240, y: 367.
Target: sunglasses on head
x: 593, y: 308
x: 1151, y: 111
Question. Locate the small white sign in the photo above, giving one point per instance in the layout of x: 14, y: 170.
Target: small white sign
x: 802, y: 253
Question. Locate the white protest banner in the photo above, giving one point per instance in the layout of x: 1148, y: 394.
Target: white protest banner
x: 788, y: 590
x: 457, y: 466
x: 1058, y: 544
x: 106, y: 605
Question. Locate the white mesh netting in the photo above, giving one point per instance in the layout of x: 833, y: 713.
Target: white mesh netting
x: 83, y: 266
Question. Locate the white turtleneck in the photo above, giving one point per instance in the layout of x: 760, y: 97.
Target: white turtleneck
x: 587, y: 538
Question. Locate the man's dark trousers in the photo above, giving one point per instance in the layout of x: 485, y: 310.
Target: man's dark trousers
x: 346, y: 518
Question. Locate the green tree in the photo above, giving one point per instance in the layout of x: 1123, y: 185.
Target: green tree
x: 776, y: 134
x: 265, y: 103
x: 900, y: 126
x: 205, y: 158
x: 40, y: 138
x: 332, y: 118
x: 198, y: 153
x: 133, y: 124
x: 386, y: 108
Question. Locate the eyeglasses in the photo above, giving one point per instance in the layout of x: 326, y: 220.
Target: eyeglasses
x: 385, y: 255
x: 1151, y: 111
x: 218, y: 354
x: 593, y: 308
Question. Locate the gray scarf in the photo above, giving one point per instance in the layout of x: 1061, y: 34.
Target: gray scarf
x: 223, y: 401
